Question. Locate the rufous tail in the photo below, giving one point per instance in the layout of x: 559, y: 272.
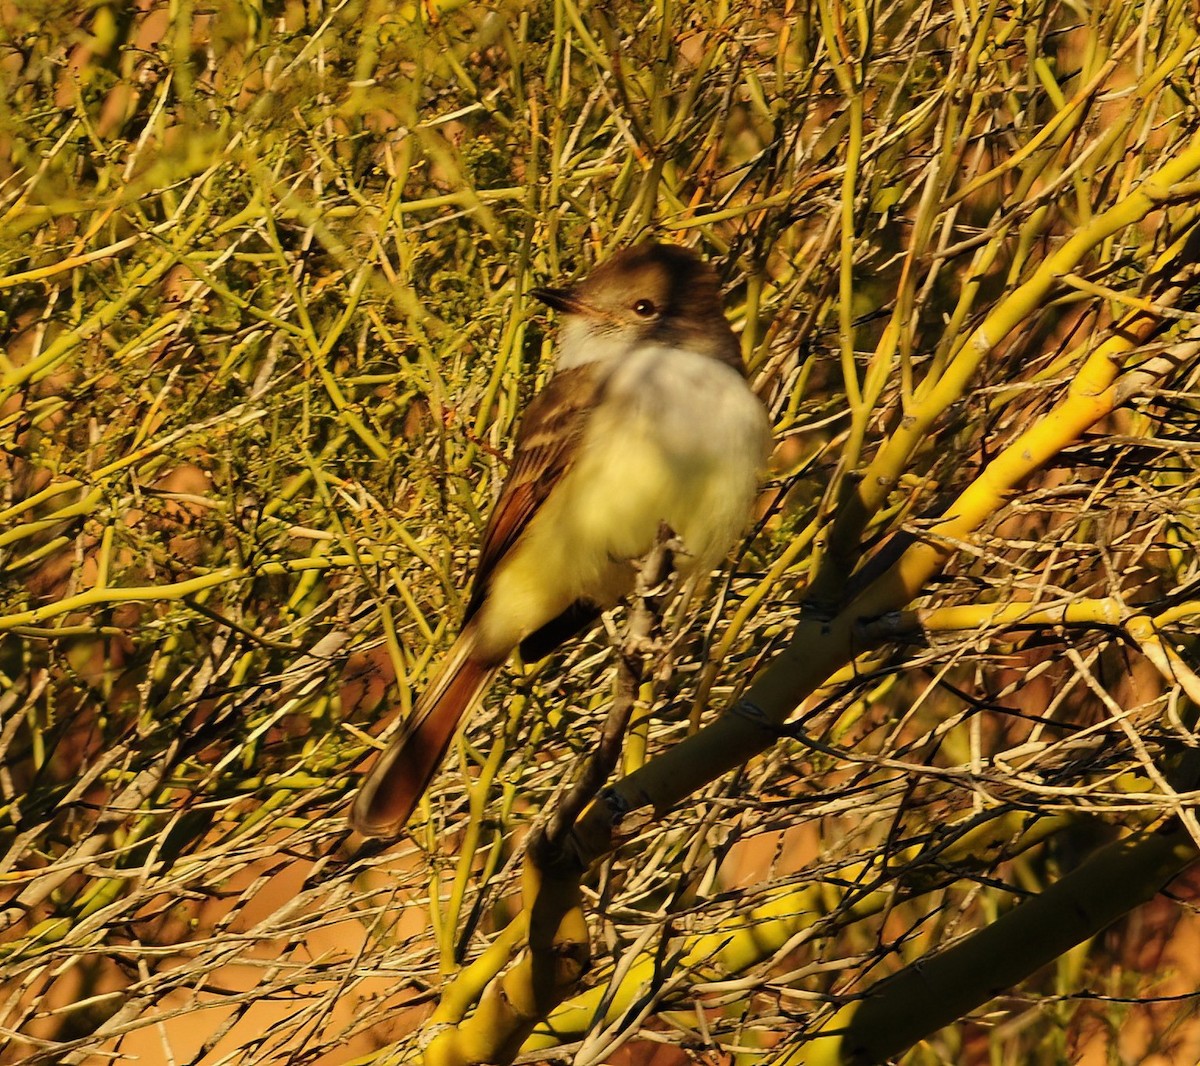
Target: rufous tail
x: 395, y: 784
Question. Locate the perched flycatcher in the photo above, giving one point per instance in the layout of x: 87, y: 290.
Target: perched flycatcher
x: 648, y: 419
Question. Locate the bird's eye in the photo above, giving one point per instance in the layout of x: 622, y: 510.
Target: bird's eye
x: 645, y: 309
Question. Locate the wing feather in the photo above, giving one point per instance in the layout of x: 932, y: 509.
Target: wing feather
x: 546, y: 447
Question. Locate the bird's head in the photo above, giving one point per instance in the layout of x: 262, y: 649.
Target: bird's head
x: 648, y: 294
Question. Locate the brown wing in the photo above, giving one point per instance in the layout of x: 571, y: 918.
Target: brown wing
x: 547, y: 443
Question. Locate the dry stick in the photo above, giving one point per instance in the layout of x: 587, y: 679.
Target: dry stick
x: 653, y: 582
x: 794, y: 916
x: 933, y: 991
x: 881, y: 476
x: 558, y: 942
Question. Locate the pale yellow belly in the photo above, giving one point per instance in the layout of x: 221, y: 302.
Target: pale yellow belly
x: 687, y: 452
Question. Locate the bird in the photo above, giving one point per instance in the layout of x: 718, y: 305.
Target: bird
x: 647, y: 420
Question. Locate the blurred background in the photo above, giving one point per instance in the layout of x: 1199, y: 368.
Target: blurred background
x: 263, y: 306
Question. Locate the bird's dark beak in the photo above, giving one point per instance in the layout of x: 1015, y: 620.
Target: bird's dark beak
x: 559, y: 299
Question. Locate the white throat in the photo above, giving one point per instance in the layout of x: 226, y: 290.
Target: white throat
x: 579, y: 343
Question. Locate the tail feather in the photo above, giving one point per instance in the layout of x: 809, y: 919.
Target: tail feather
x: 395, y: 784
